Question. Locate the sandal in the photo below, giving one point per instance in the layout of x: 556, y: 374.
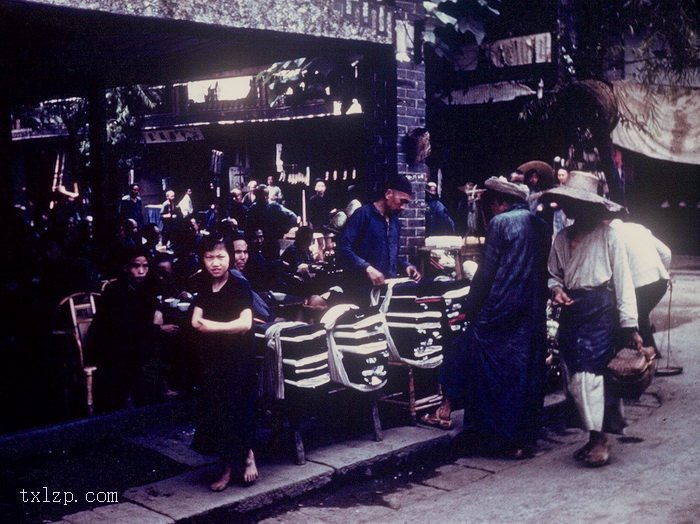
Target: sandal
x: 599, y: 455
x: 581, y: 453
x: 430, y: 419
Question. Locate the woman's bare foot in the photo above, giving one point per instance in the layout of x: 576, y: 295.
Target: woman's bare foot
x: 224, y: 480
x: 250, y: 473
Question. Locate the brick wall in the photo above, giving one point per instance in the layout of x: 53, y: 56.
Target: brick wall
x: 410, y: 114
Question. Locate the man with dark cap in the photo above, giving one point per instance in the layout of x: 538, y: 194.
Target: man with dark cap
x: 497, y: 364
x: 368, y: 249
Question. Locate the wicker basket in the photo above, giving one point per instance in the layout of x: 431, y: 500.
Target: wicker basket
x: 631, y: 372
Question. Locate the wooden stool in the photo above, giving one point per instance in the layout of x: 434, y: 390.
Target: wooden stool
x: 407, y: 398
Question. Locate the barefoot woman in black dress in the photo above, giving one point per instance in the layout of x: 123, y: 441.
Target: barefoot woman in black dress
x: 223, y: 318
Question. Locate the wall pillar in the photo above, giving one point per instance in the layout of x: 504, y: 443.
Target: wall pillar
x: 410, y: 115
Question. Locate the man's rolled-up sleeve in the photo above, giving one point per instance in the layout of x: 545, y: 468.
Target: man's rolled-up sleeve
x: 554, y: 263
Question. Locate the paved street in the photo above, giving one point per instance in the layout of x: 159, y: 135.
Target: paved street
x: 653, y: 477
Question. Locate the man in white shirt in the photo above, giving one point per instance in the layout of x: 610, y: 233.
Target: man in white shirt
x: 650, y: 261
x: 185, y: 205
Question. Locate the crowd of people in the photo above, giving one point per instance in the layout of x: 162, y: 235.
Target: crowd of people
x: 549, y: 237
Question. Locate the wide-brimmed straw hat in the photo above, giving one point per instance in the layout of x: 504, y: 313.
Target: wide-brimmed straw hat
x: 583, y: 187
x: 501, y: 185
x: 542, y: 168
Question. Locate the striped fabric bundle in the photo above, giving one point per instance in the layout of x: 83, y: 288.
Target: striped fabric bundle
x: 357, y: 347
x: 305, y: 356
x: 294, y: 354
x: 420, y: 318
x: 453, y: 292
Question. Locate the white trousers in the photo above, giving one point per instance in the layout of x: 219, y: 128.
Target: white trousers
x: 588, y: 391
x: 597, y: 410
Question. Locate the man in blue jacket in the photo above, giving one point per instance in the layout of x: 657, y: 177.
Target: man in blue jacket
x: 368, y: 249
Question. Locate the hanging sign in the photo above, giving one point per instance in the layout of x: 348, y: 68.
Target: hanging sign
x: 521, y: 50
x: 180, y: 134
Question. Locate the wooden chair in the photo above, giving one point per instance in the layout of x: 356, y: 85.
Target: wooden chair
x: 421, y: 322
x: 105, y: 283
x: 81, y: 308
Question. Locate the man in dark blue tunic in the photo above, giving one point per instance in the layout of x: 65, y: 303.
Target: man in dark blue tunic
x: 497, y: 366
x: 368, y: 249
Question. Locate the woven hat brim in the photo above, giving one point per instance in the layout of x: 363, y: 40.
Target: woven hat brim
x: 509, y: 188
x: 538, y: 165
x: 584, y: 196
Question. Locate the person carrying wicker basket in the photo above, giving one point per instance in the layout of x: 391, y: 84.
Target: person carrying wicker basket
x: 590, y: 278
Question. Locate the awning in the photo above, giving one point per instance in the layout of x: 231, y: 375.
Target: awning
x: 662, y: 123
